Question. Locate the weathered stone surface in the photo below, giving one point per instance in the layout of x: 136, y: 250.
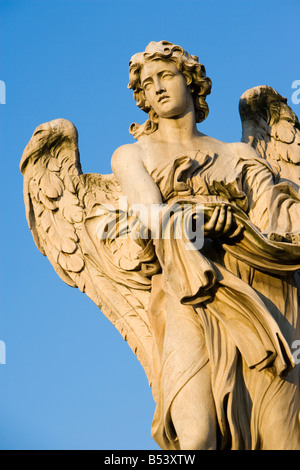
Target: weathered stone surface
x: 191, y: 249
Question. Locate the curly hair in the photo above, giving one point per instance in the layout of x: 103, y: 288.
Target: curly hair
x: 187, y: 64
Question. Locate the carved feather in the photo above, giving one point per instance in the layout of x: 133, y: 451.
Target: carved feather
x: 273, y: 130
x: 59, y: 200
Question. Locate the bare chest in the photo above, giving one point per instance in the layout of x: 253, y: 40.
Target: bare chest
x: 155, y: 154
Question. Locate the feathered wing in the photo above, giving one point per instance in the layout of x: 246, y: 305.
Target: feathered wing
x: 273, y: 130
x: 77, y: 221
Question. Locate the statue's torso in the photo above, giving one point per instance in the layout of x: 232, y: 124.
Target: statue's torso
x: 205, y: 167
x: 156, y: 152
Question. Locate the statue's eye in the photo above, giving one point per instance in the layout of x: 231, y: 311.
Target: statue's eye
x: 147, y: 85
x: 167, y: 75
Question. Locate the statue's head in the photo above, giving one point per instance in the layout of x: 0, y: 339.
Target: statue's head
x: 194, y: 73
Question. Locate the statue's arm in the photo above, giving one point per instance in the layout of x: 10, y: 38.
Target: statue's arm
x: 143, y: 195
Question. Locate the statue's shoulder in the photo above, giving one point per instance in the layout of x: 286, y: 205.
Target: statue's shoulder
x: 242, y: 150
x: 127, y: 153
x: 127, y: 149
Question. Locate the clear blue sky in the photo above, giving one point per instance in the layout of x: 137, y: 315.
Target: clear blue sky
x: 70, y: 381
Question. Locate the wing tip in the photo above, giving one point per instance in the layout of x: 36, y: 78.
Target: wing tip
x: 44, y: 135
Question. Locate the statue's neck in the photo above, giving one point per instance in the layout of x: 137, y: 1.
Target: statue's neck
x: 181, y: 129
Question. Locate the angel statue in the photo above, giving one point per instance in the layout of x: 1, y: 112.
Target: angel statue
x: 214, y: 324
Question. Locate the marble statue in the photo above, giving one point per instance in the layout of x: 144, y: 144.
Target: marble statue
x: 213, y: 324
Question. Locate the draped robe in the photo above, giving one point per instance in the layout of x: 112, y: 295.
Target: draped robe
x: 232, y: 303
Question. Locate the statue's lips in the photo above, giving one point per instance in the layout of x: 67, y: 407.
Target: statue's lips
x: 163, y: 98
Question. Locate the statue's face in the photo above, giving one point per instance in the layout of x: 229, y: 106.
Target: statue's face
x: 165, y: 89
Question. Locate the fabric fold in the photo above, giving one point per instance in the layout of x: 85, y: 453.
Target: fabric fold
x: 237, y: 302
x: 225, y: 296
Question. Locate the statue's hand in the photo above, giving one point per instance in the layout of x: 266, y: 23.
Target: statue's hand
x: 222, y: 222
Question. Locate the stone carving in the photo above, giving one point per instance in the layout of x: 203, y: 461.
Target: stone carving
x: 213, y: 325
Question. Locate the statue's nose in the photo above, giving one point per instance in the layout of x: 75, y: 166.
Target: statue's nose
x: 160, y: 90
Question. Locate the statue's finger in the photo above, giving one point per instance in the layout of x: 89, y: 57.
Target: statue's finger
x: 229, y: 221
x: 221, y: 221
x: 210, y: 225
x: 237, y: 231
